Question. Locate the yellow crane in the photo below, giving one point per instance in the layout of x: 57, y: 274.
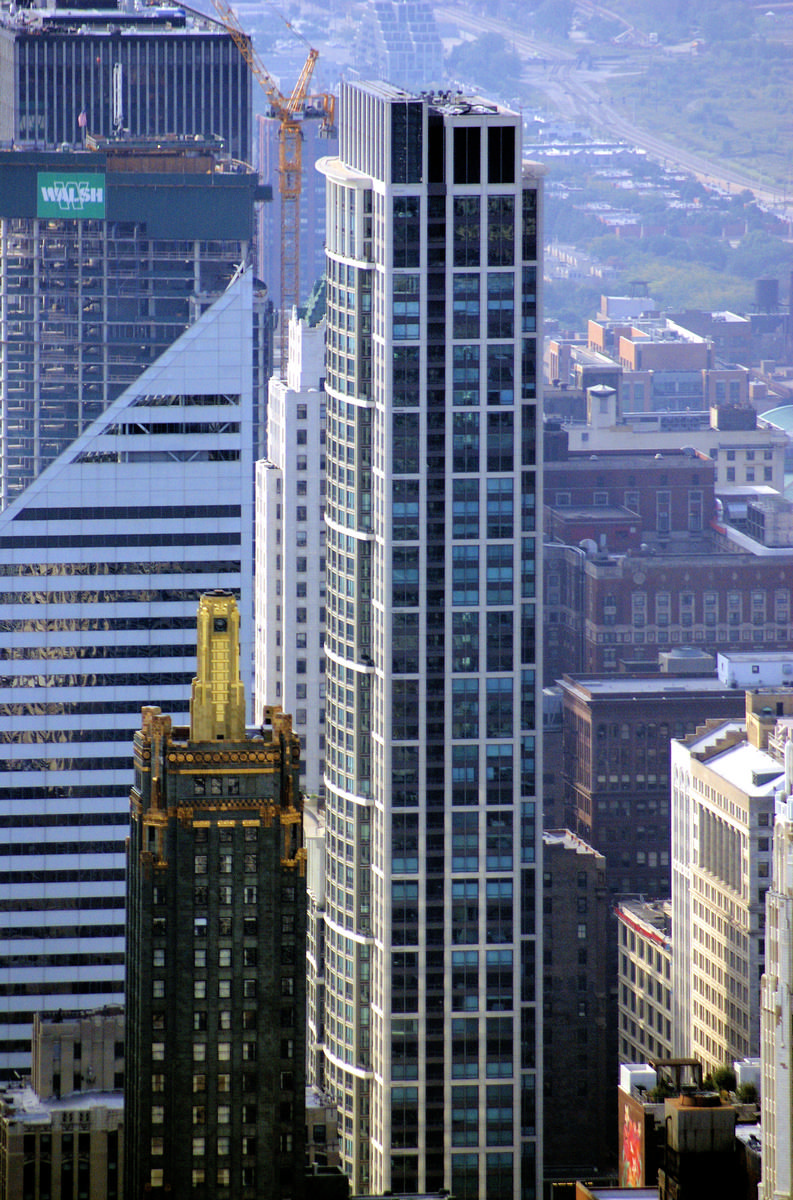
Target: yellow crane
x: 288, y: 111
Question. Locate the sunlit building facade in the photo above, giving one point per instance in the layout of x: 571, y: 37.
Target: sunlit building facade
x: 430, y: 1038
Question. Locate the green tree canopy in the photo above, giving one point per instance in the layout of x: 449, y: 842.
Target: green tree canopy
x: 489, y: 62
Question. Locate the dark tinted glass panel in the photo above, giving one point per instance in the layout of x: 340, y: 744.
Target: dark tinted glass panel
x: 467, y: 144
x: 501, y: 154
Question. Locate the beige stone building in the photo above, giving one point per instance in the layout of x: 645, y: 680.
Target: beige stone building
x: 723, y: 782
x: 78, y: 1052
x: 645, y: 974
x: 62, y: 1134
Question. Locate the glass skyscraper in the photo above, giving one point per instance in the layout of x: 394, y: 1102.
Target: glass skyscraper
x: 104, y: 558
x: 432, y: 738
x: 153, y: 70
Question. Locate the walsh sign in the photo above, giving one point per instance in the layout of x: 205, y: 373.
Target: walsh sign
x: 68, y: 194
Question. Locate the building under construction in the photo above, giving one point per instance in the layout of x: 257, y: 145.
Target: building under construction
x: 106, y: 258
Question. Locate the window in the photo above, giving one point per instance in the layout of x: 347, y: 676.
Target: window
x: 404, y: 710
x: 500, y: 376
x: 499, y: 508
x: 499, y: 707
x: 466, y: 223
x: 465, y: 641
x: 465, y: 375
x: 405, y: 308
x: 500, y: 441
x: 465, y: 441
x: 465, y: 306
x: 499, y: 773
x: 500, y: 305
x: 405, y: 448
x: 467, y: 153
x: 499, y: 573
x: 465, y: 707
x: 465, y: 911
x: 465, y: 574
x: 465, y: 791
x: 500, y: 231
x: 465, y: 980
x: 465, y: 1116
x: 501, y: 154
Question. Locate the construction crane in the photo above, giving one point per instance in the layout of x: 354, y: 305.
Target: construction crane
x: 288, y: 111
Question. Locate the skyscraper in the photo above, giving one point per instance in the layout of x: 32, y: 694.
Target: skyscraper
x: 724, y: 779
x: 431, y: 1037
x: 216, y: 924
x: 106, y: 259
x: 105, y: 555
x: 776, y: 1002
x: 152, y: 70
x: 399, y: 41
x: 290, y: 548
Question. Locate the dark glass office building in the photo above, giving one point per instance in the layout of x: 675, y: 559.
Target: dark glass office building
x: 153, y: 71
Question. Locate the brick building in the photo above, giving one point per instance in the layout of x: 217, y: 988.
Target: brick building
x: 745, y: 452
x: 616, y: 732
x: 670, y: 493
x: 604, y: 611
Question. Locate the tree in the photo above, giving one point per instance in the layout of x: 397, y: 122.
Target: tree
x: 488, y: 62
x: 659, y: 1093
x: 747, y: 1093
x: 554, y: 17
x: 724, y: 1078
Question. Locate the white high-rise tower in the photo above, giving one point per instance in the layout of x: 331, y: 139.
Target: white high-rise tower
x: 776, y: 1004
x: 431, y: 1033
x: 290, y: 549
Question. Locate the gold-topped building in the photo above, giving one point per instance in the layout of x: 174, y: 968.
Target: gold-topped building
x: 216, y: 943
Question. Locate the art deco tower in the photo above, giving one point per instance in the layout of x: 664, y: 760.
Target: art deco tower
x: 216, y: 911
x: 431, y: 1045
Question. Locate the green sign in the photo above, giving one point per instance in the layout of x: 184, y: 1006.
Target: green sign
x: 70, y: 194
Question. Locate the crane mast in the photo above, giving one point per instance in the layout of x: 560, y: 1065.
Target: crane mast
x: 288, y: 111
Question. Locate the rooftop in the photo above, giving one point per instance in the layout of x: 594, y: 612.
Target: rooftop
x: 156, y: 19
x: 741, y: 764
x: 661, y: 329
x: 583, y: 460
x: 626, y: 686
x: 602, y: 512
x: 655, y: 916
x: 570, y: 841
x: 24, y: 1104
x: 450, y: 103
